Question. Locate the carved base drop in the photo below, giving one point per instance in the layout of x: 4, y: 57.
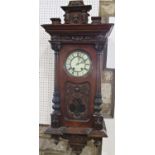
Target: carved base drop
x: 78, y: 138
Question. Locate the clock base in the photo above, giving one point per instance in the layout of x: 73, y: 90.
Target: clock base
x: 77, y: 137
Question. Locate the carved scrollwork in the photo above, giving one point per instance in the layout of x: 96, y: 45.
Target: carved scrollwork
x: 77, y: 107
x: 99, y: 123
x: 77, y: 142
x: 56, y: 46
x: 70, y: 38
x: 76, y: 13
x: 99, y: 47
x: 100, y: 44
x: 78, y: 38
x: 77, y: 100
x: 76, y: 18
x: 99, y: 40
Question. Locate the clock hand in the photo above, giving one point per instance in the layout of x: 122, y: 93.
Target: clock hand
x: 81, y: 62
x: 78, y: 61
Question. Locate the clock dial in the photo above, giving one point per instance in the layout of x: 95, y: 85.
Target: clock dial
x: 78, y: 63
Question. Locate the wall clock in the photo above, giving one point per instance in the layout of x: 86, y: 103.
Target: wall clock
x: 77, y: 98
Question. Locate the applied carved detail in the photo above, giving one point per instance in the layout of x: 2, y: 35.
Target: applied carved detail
x: 56, y: 46
x: 77, y: 142
x: 76, y: 18
x: 99, y: 122
x: 76, y: 13
x: 77, y: 100
x: 98, y: 40
x: 100, y: 44
x: 64, y: 38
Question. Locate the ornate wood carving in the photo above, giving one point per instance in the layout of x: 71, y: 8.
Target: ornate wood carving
x: 101, y: 42
x: 76, y: 12
x: 99, y: 122
x: 76, y: 18
x: 72, y: 38
x: 77, y: 100
x: 56, y: 45
x: 98, y: 40
x: 77, y: 142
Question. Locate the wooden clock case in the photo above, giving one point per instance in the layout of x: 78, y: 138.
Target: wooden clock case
x: 75, y: 34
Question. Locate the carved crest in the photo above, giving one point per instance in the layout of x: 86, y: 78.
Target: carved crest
x: 77, y: 100
x: 76, y: 12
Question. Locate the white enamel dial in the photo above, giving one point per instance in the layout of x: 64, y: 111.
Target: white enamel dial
x: 78, y: 63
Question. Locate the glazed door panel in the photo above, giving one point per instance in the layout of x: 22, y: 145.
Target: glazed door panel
x: 77, y: 93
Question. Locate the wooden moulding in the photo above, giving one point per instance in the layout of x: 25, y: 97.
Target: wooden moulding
x: 76, y: 131
x: 60, y: 28
x: 77, y: 137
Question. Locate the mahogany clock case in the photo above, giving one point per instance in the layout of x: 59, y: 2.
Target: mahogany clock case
x: 77, y: 100
x: 84, y: 87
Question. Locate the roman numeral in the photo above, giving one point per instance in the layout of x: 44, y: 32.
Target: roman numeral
x: 86, y: 69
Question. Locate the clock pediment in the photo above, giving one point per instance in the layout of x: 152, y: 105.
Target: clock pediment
x: 76, y: 12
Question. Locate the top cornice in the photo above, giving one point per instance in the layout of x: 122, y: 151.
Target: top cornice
x: 85, y: 28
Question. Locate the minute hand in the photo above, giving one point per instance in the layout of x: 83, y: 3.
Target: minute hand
x: 81, y: 62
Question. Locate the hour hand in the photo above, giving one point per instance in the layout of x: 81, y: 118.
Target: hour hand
x: 78, y: 61
x: 81, y: 61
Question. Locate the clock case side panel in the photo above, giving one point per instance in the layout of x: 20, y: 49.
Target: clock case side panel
x: 90, y: 78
